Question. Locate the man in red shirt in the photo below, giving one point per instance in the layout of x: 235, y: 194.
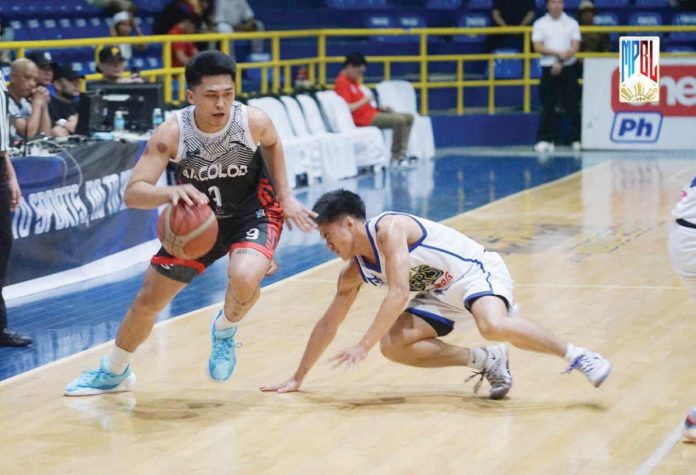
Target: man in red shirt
x: 184, y: 50
x: 348, y: 87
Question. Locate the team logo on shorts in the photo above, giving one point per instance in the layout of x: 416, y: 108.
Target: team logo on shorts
x: 423, y: 277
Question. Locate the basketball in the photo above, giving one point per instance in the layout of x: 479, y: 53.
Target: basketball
x: 689, y: 427
x: 187, y: 232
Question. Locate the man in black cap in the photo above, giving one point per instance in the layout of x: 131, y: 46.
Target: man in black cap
x: 63, y: 109
x: 111, y: 65
x: 44, y: 61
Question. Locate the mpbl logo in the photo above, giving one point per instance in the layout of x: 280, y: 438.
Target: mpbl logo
x: 636, y: 127
x: 640, y: 69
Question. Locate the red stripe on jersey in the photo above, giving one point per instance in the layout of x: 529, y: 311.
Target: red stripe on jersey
x: 175, y: 261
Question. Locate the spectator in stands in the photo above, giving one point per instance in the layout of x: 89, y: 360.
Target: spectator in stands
x: 114, y: 6
x: 591, y: 42
x: 348, y: 87
x: 111, y: 65
x: 6, y: 34
x: 510, y: 13
x: 63, y: 109
x: 237, y: 16
x: 124, y: 25
x: 27, y: 118
x: 44, y: 61
x: 557, y: 37
x: 10, y: 196
x: 177, y: 10
x: 183, y: 51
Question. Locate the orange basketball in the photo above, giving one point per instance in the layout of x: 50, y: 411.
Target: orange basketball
x: 187, y: 232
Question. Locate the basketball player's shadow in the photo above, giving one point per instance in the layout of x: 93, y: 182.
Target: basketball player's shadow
x: 108, y: 411
x: 459, y: 401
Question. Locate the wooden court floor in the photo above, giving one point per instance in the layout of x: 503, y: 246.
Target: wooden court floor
x: 588, y: 256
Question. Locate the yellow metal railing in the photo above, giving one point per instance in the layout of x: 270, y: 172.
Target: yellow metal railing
x: 317, y: 65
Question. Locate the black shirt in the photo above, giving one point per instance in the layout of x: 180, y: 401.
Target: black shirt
x: 513, y: 11
x: 60, y: 109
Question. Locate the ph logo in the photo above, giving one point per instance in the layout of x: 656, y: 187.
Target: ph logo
x: 640, y: 69
x: 636, y: 127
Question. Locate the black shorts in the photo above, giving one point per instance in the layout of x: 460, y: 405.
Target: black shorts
x: 258, y: 230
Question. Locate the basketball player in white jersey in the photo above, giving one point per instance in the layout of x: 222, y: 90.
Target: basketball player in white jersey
x: 682, y: 238
x: 219, y: 148
x: 682, y: 254
x: 453, y: 276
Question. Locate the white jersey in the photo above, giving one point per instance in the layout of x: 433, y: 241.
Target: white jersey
x: 440, y: 258
x: 686, y: 207
x: 447, y: 269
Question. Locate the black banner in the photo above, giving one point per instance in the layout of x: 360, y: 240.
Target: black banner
x: 72, y: 210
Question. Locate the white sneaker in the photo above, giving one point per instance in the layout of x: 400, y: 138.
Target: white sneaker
x: 577, y: 146
x: 496, y: 370
x: 593, y: 365
x: 544, y: 147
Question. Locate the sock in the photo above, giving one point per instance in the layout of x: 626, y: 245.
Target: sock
x: 573, y: 352
x: 119, y: 360
x: 222, y: 323
x: 477, y: 357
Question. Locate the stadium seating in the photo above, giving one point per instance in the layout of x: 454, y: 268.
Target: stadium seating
x: 683, y: 19
x: 368, y: 143
x: 401, y: 97
x: 652, y: 3
x: 473, y: 20
x: 645, y: 19
x: 444, y: 4
x: 302, y: 154
x: 506, y: 68
x: 604, y: 4
x: 337, y: 154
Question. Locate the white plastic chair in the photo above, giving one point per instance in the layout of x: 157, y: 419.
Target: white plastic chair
x: 337, y: 154
x: 302, y: 154
x: 370, y: 150
x: 401, y: 97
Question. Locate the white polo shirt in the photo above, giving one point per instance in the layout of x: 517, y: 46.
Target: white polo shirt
x: 557, y: 35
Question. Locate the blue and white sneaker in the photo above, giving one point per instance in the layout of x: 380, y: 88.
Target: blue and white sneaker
x: 223, y: 357
x: 101, y: 381
x: 593, y: 365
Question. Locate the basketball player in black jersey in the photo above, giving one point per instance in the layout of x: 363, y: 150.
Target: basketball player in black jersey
x: 213, y: 145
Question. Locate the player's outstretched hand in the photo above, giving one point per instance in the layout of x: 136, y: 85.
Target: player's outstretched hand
x: 298, y: 215
x: 351, y: 356
x: 188, y: 194
x: 289, y: 386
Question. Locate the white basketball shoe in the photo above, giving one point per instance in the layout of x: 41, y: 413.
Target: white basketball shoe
x: 593, y: 365
x: 496, y: 370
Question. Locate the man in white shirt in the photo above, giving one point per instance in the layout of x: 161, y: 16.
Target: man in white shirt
x: 557, y: 37
x: 237, y: 16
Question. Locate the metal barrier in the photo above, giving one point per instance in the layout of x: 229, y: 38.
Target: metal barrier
x: 317, y: 65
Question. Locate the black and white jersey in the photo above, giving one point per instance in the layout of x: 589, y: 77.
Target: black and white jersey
x: 225, y: 165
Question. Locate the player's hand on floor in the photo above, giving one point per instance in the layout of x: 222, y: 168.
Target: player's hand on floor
x: 351, y: 356
x: 298, y: 215
x: 188, y: 194
x: 289, y: 386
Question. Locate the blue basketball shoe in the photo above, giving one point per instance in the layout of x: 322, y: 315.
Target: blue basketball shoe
x: 101, y: 381
x: 223, y: 357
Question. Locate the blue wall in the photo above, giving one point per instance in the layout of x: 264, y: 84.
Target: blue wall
x: 485, y: 130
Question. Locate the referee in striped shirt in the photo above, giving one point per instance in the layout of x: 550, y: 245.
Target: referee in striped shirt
x: 10, y: 194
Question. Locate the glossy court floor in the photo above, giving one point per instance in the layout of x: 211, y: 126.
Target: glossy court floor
x: 584, y: 237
